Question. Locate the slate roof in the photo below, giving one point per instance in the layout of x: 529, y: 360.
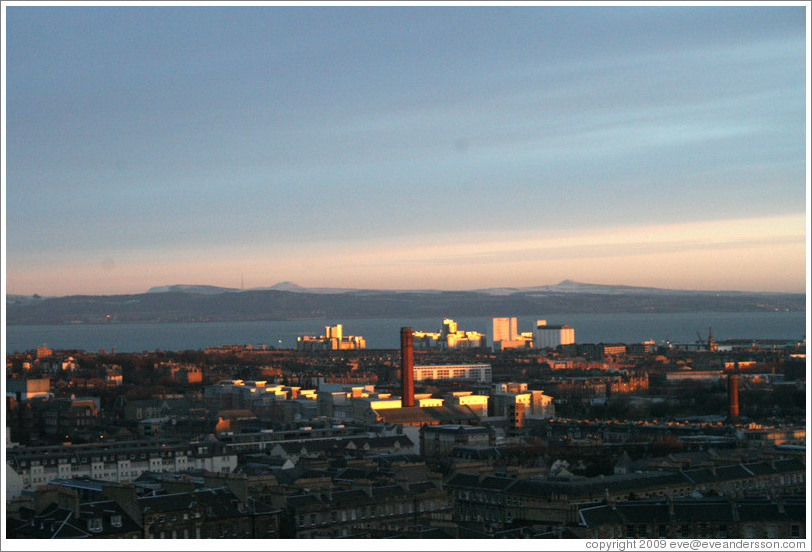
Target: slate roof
x: 714, y: 510
x: 422, y: 487
x: 790, y: 465
x: 594, y: 516
x: 350, y: 497
x: 496, y: 483
x: 55, y: 522
x: 302, y: 500
x: 220, y: 503
x: 759, y: 468
x: 597, y: 485
x: 703, y: 510
x: 389, y: 459
x: 52, y: 523
x: 388, y: 491
x: 462, y: 480
x: 732, y: 472
x: 106, y: 511
x: 758, y: 511
x: 427, y: 414
x: 645, y: 512
x: 167, y: 503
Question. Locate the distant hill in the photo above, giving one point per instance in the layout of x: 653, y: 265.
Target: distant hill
x: 566, y: 286
x: 285, y: 301
x: 205, y: 290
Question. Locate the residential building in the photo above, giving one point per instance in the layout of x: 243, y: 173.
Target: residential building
x: 28, y: 389
x: 459, y: 372
x: 449, y: 338
x: 333, y: 340
x: 691, y: 518
x: 440, y: 440
x: 120, y: 461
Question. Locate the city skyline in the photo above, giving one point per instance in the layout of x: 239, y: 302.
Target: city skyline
x: 400, y: 147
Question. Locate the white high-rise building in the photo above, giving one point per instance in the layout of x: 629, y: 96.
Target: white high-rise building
x: 550, y: 336
x: 505, y: 329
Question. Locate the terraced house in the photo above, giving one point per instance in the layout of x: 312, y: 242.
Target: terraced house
x: 759, y: 518
x: 121, y: 461
x: 496, y: 501
x: 358, y: 512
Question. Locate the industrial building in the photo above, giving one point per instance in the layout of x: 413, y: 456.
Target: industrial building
x: 551, y: 336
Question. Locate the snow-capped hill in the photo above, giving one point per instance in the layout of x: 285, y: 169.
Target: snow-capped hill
x: 285, y: 286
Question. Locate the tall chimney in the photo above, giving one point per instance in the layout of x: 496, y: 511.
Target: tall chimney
x: 733, y: 394
x: 407, y: 366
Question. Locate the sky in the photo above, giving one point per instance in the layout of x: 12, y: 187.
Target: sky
x: 405, y: 147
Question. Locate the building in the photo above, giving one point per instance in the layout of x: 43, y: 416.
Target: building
x: 177, y: 510
x: 549, y: 336
x: 497, y: 502
x: 66, y: 417
x: 333, y: 340
x: 181, y: 373
x: 449, y: 338
x: 477, y: 403
x: 440, y: 440
x: 690, y: 518
x: 505, y: 329
x: 506, y: 335
x: 358, y: 511
x: 28, y: 389
x: 514, y: 402
x: 461, y: 372
x: 419, y: 416
x: 678, y: 376
x: 251, y: 394
x: 120, y: 461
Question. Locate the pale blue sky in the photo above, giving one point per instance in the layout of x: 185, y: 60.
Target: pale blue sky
x: 392, y: 147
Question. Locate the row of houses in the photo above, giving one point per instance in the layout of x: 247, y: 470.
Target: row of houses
x: 29, y: 467
x: 121, y: 513
x: 498, y: 501
x: 715, y: 517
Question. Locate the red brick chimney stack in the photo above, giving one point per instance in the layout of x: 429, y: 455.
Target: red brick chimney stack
x: 733, y: 394
x: 407, y: 366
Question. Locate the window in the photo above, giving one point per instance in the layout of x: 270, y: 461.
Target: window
x: 94, y: 525
x: 115, y: 521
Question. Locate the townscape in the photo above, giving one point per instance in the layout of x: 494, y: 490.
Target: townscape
x: 454, y: 435
x: 406, y: 271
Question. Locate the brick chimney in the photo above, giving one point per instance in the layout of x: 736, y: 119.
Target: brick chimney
x: 733, y: 395
x: 407, y: 366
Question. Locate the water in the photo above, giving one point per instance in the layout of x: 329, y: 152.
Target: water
x: 385, y: 333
